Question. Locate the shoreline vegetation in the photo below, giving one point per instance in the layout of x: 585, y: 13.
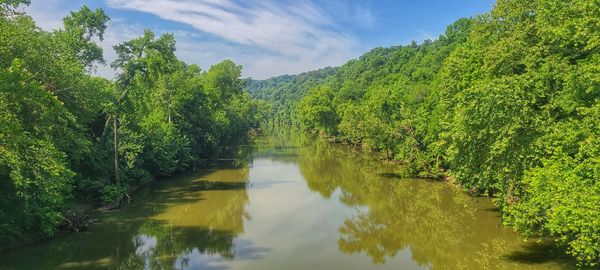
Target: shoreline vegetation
x: 70, y: 141
x: 506, y: 103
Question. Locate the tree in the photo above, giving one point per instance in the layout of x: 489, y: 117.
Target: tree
x: 35, y: 173
x: 8, y: 7
x: 85, y: 25
x: 68, y: 136
x: 316, y: 110
x: 504, y: 104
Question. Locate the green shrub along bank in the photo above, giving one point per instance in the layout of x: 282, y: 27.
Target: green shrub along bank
x: 68, y: 137
x: 506, y: 104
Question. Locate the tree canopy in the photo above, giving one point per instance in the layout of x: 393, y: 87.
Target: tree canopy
x: 505, y: 104
x: 68, y: 137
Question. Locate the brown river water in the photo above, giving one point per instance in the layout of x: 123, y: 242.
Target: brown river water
x: 289, y: 201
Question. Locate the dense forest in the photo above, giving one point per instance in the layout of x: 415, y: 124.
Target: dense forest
x: 506, y: 104
x: 282, y: 93
x: 68, y: 138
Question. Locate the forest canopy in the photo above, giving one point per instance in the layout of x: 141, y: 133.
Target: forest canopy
x: 68, y: 137
x: 505, y: 104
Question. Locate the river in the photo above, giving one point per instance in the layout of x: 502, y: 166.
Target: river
x: 288, y: 201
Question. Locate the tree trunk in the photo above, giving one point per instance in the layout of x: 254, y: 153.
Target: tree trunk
x: 116, y: 146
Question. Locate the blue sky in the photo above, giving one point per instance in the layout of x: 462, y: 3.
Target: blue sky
x: 269, y: 38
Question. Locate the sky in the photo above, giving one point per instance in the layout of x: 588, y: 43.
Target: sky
x: 268, y: 38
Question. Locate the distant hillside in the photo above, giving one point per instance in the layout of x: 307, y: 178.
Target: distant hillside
x: 507, y: 104
x: 417, y: 63
x: 283, y: 92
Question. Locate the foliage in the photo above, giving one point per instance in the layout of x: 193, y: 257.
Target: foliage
x: 283, y: 92
x: 68, y: 137
x: 35, y: 172
x: 316, y: 111
x: 48, y: 105
x: 505, y: 103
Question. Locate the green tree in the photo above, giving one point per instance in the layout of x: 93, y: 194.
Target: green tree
x: 83, y: 26
x: 316, y: 110
x: 504, y: 104
x: 35, y: 176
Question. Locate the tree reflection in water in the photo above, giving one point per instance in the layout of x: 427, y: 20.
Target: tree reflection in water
x: 443, y: 227
x: 200, y: 221
x: 200, y: 218
x: 169, y: 224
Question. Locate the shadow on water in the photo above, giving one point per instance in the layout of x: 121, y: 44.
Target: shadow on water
x: 188, y: 194
x: 198, y: 220
x: 404, y: 176
x: 539, y: 253
x: 170, y: 223
x: 493, y: 209
x: 440, y: 225
x: 278, y: 156
x: 393, y: 175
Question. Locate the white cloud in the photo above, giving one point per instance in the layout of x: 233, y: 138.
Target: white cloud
x: 356, y: 13
x: 47, y: 14
x: 364, y: 16
x: 267, y: 37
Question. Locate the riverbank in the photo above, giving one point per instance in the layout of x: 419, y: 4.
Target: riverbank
x: 285, y: 195
x: 81, y: 214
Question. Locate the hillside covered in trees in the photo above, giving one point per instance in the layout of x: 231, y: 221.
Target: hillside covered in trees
x: 506, y: 104
x: 282, y: 93
x: 70, y: 138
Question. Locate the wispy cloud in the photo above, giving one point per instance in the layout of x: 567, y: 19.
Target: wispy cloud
x: 364, y: 16
x: 271, y: 37
x: 49, y: 15
x: 268, y: 38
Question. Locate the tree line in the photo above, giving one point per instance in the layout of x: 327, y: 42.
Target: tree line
x: 68, y: 137
x: 281, y: 93
x: 505, y: 104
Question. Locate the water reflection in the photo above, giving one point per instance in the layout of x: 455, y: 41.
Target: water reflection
x: 290, y: 201
x: 168, y: 223
x: 197, y: 219
x: 443, y: 227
